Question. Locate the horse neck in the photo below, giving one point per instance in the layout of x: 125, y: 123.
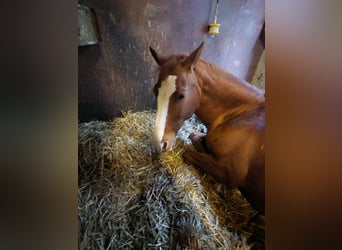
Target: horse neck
x: 223, y: 94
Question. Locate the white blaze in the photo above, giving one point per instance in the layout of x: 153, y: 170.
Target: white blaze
x: 166, y: 89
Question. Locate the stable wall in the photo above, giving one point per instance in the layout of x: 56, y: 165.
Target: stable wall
x: 118, y: 73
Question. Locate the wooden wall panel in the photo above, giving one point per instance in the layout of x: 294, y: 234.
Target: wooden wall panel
x: 118, y: 74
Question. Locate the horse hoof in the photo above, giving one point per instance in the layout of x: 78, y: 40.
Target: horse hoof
x: 196, y: 136
x: 198, y: 141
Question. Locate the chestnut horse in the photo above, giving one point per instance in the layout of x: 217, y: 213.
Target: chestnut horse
x: 233, y: 111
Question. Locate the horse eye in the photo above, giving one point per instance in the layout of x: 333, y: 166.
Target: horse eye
x: 180, y: 96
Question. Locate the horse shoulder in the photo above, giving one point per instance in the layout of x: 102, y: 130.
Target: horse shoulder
x: 237, y: 146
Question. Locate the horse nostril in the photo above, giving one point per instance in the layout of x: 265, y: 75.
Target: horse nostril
x: 164, y: 146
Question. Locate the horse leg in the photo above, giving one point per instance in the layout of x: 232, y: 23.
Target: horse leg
x: 207, y: 163
x: 198, y: 141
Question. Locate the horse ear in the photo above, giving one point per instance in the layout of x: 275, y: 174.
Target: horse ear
x: 192, y: 59
x: 159, y: 59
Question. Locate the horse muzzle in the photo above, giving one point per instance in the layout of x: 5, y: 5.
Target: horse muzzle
x: 166, y: 144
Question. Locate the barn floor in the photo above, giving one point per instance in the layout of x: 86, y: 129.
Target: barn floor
x: 131, y: 198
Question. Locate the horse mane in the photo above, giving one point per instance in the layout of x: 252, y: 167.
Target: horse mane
x: 232, y: 79
x: 240, y: 97
x: 203, y: 66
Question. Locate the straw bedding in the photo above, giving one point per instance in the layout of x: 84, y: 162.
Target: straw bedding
x: 131, y: 198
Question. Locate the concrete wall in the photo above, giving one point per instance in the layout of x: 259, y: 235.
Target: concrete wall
x: 259, y: 74
x: 118, y: 73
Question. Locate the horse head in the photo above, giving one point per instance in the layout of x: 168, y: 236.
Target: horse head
x: 177, y: 93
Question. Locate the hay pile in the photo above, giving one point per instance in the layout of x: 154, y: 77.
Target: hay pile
x: 131, y: 198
